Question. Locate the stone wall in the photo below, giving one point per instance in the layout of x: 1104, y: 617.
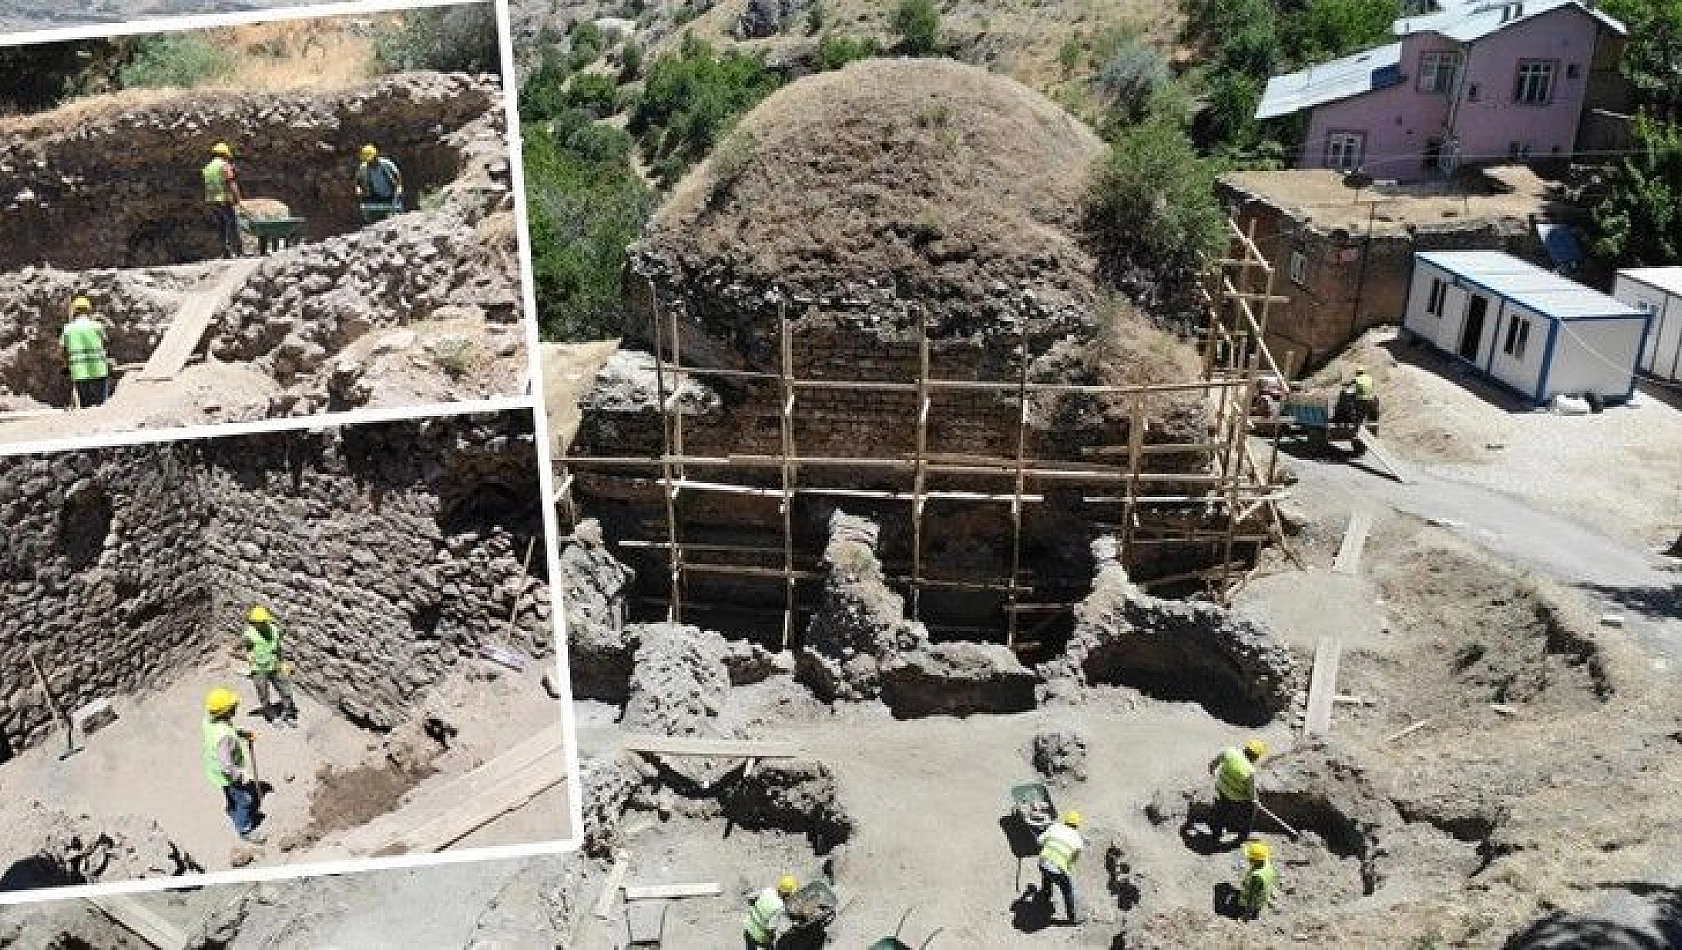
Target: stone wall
x: 123, y: 188
x: 390, y: 552
x: 135, y: 309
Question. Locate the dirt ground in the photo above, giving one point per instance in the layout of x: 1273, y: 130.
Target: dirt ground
x: 326, y: 777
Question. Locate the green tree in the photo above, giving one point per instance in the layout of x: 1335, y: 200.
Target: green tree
x: 1639, y: 220
x: 447, y: 39
x: 1652, y: 60
x: 544, y: 93
x: 1152, y: 203
x: 1326, y: 29
x: 918, y: 24
x: 690, y: 99
x: 592, y: 93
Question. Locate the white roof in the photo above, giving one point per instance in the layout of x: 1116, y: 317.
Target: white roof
x: 1667, y: 279
x: 1527, y: 285
x: 1466, y: 22
x: 1328, y: 82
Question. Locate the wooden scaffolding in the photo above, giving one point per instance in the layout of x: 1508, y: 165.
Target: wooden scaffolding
x: 1237, y: 292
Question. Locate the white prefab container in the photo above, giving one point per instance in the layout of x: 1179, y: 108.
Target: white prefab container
x: 1658, y: 291
x: 1532, y: 331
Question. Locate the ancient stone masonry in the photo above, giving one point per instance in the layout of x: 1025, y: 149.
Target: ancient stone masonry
x: 124, y: 189
x: 390, y: 552
x: 134, y: 308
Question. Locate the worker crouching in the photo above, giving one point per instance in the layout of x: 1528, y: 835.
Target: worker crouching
x: 1060, y: 847
x: 229, y: 764
x: 759, y: 926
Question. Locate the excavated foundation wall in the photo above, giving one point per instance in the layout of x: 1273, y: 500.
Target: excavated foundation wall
x: 123, y: 189
x: 34, y: 304
x: 390, y: 552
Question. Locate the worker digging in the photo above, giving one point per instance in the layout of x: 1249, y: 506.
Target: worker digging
x: 1060, y: 847
x: 765, y: 912
x: 230, y: 764
x: 1235, y: 790
x: 84, y: 340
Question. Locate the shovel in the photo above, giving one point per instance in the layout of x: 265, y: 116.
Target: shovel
x: 256, y: 774
x: 69, y: 726
x: 1292, y: 832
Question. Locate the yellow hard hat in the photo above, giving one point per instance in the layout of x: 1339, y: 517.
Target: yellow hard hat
x: 1257, y: 851
x: 259, y: 614
x: 1072, y: 819
x: 787, y: 885
x: 1255, y: 748
x: 369, y: 153
x: 223, y: 149
x: 81, y: 305
x: 220, y: 701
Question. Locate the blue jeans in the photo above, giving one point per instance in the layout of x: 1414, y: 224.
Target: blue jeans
x: 241, y: 801
x: 1049, y: 875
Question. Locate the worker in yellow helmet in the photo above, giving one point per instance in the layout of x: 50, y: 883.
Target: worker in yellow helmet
x: 379, y: 185
x: 1256, y: 890
x: 1060, y: 847
x: 1366, y: 398
x: 268, y: 665
x: 759, y: 927
x: 229, y: 764
x: 83, y: 340
x: 1235, y: 789
x: 222, y: 196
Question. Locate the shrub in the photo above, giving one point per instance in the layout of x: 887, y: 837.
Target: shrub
x: 592, y: 93
x: 544, y: 94
x: 630, y: 61
x: 1069, y: 54
x: 918, y: 24
x: 180, y: 60
x: 835, y: 52
x: 689, y: 101
x: 1152, y: 203
x: 815, y: 16
x: 447, y: 39
x: 1130, y: 78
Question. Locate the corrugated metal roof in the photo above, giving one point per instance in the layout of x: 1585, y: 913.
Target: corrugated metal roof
x: 1466, y: 22
x: 1668, y: 279
x: 1527, y: 285
x: 1328, y: 82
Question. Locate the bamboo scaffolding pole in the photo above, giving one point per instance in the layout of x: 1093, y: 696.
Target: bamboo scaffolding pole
x: 675, y: 551
x: 787, y: 405
x: 1016, y: 502
x: 919, y: 478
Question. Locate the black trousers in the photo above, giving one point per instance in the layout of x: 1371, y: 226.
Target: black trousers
x: 92, y: 392
x: 226, y: 220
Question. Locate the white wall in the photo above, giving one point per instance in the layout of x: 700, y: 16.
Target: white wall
x: 1444, y: 330
x: 1663, y: 354
x: 1595, y: 356
x: 1520, y: 371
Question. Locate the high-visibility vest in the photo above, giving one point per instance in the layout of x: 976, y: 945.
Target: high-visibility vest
x: 1235, y: 780
x: 263, y: 651
x: 216, y: 175
x: 379, y: 178
x: 1257, y: 890
x: 84, y: 341
x: 1060, y: 845
x: 1364, y: 386
x: 761, y: 913
x: 215, y: 730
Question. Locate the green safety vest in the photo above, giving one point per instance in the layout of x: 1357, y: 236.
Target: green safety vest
x: 85, y: 342
x: 1364, y: 386
x: 1059, y: 846
x: 1257, y: 891
x: 263, y: 651
x: 1235, y: 780
x: 215, y: 730
x: 216, y: 181
x: 763, y: 910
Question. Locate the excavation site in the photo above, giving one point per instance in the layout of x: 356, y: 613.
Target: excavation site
x: 401, y: 568
x: 329, y: 306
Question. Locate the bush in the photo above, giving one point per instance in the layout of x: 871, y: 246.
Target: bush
x: 691, y: 99
x: 815, y: 16
x: 918, y: 24
x: 1130, y: 79
x: 447, y: 39
x: 835, y: 52
x: 630, y: 61
x: 1639, y: 219
x: 544, y: 95
x: 1152, y: 203
x: 179, y: 60
x: 592, y: 93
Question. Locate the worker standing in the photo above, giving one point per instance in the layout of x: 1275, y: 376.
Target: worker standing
x: 1255, y: 892
x: 1060, y: 847
x: 1235, y: 789
x: 222, y: 194
x: 228, y: 763
x: 268, y: 665
x: 759, y: 927
x: 1366, y: 398
x: 379, y: 185
x: 83, y: 340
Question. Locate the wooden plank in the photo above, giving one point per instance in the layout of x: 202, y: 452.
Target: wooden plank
x: 696, y: 745
x: 1322, y: 686
x: 192, y: 320
x: 647, y: 892
x: 141, y: 921
x: 621, y: 865
x: 1348, y: 560
x: 1379, y: 451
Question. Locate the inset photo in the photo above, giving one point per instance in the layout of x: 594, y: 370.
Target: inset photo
x: 19, y: 15
x: 251, y: 221
x: 276, y: 648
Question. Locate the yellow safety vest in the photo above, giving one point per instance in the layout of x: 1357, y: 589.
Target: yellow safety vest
x: 1235, y: 780
x: 761, y: 913
x: 1364, y: 386
x: 215, y: 730
x: 216, y: 181
x: 1060, y: 845
x: 1257, y: 890
x: 84, y: 341
x: 263, y: 650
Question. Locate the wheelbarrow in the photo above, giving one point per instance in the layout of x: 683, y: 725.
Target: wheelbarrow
x: 810, y: 911
x: 376, y: 211
x: 1031, y: 803
x: 894, y: 943
x: 274, y: 233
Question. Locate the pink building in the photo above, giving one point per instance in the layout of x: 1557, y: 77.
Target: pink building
x: 1473, y: 83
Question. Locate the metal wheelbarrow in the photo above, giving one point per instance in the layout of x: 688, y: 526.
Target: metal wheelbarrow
x: 1031, y: 802
x: 274, y: 233
x: 894, y: 943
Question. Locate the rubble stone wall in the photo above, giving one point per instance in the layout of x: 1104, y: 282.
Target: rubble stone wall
x: 35, y: 304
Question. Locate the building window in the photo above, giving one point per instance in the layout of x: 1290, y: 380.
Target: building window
x: 1299, y: 269
x: 1518, y: 334
x: 1571, y: 71
x: 1472, y: 91
x: 1437, y: 71
x: 1535, y: 82
x: 1343, y: 150
x: 1434, y: 303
